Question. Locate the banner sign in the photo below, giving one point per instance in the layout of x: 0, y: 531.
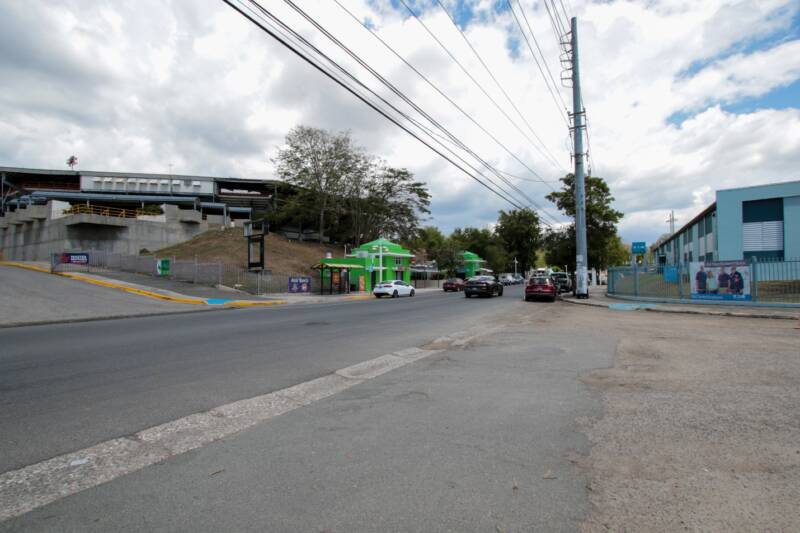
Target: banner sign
x: 299, y: 284
x: 720, y: 280
x: 671, y: 274
x: 74, y: 259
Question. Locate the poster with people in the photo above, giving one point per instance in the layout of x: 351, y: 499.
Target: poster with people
x: 720, y: 280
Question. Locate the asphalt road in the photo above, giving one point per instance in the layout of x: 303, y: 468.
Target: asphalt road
x: 64, y: 387
x: 480, y: 437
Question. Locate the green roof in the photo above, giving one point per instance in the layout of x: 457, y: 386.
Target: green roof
x: 388, y: 247
x: 472, y: 257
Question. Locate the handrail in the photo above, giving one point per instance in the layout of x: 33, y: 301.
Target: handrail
x: 81, y: 209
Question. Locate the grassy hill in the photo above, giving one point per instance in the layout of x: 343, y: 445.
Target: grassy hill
x: 230, y: 247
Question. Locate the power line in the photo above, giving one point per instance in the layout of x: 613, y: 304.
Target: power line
x: 413, y: 105
x: 274, y: 33
x: 533, y: 55
x: 438, y: 90
x: 479, y: 86
x: 485, y: 66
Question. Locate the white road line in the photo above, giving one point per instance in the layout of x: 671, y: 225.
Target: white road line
x: 39, y: 484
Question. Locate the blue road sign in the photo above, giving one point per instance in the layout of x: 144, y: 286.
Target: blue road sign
x: 639, y: 247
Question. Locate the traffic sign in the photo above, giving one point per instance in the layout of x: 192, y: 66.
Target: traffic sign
x: 639, y: 247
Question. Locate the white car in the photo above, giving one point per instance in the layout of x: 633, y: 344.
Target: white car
x: 393, y: 288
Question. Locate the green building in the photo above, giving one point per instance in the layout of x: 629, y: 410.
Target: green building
x: 471, y: 265
x: 366, y: 266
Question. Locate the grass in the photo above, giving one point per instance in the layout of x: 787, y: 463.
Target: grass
x: 229, y: 246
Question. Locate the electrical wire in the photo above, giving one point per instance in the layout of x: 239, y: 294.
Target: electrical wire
x: 413, y: 105
x: 438, y: 90
x: 538, y: 65
x: 485, y: 66
x: 274, y: 33
x: 480, y: 87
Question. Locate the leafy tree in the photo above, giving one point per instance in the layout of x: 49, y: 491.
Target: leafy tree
x: 318, y: 161
x: 392, y: 204
x: 520, y: 234
x: 601, y: 224
x: 484, y: 243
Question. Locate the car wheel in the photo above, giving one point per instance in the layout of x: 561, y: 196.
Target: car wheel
x: 412, y: 293
x: 467, y: 295
x: 378, y: 295
x: 500, y: 292
x: 394, y: 294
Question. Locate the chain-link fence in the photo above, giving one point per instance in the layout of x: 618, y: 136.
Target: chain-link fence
x: 767, y: 281
x: 204, y: 273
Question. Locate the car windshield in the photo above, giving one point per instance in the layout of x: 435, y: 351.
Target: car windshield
x: 559, y: 275
x: 539, y: 281
x: 482, y: 278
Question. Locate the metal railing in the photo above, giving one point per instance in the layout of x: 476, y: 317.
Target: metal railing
x: 213, y: 274
x: 765, y: 281
x: 81, y: 209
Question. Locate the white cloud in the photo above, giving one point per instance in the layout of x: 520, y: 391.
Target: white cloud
x: 200, y: 88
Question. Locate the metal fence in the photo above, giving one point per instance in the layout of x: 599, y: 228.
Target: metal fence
x: 767, y: 282
x: 203, y: 273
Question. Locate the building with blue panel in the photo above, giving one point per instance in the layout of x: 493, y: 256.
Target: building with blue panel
x: 760, y: 222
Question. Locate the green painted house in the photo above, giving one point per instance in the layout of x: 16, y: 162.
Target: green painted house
x: 471, y: 265
x: 366, y: 266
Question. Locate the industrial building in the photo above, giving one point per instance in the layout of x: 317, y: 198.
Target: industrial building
x: 45, y: 211
x: 760, y: 223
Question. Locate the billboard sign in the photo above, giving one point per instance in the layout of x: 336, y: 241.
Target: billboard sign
x: 639, y: 247
x: 299, y: 284
x: 74, y: 259
x: 671, y: 274
x: 720, y: 280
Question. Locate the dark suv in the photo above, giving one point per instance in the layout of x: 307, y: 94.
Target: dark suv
x: 562, y: 281
x: 483, y: 286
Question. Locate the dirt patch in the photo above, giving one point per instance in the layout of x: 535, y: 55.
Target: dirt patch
x: 701, y: 430
x: 229, y: 246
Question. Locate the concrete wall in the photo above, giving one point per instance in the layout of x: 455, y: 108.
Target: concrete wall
x: 729, y: 217
x: 24, y: 237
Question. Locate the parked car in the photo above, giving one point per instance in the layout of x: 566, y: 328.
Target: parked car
x: 393, y: 288
x: 562, y: 280
x: 519, y: 279
x: 453, y: 284
x: 483, y: 286
x: 541, y: 287
x: 507, y: 279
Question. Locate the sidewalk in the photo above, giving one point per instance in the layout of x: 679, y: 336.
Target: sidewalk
x: 599, y: 298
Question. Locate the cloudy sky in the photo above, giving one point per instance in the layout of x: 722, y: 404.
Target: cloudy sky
x: 683, y: 97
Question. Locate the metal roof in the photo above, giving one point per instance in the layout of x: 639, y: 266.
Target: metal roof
x: 62, y: 195
x: 78, y: 173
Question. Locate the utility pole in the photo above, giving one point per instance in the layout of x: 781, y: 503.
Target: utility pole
x: 578, y: 115
x: 671, y: 221
x: 515, y: 266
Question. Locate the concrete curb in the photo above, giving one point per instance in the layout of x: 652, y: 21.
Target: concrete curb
x: 111, y: 317
x: 708, y: 312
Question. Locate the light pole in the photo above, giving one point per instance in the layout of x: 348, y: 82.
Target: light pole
x: 515, y: 266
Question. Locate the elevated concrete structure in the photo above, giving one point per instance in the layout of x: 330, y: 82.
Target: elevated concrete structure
x: 34, y: 232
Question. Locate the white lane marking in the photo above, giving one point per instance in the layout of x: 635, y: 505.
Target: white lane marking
x: 42, y: 483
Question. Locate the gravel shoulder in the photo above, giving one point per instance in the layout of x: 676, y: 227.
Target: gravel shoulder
x: 700, y: 427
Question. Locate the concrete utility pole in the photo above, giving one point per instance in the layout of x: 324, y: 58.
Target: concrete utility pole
x: 515, y: 266
x: 581, y: 256
x: 671, y: 221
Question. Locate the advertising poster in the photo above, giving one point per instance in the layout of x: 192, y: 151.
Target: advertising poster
x: 299, y: 284
x: 74, y: 259
x: 720, y: 280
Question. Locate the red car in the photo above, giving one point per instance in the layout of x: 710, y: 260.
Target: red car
x: 541, y: 287
x: 453, y: 284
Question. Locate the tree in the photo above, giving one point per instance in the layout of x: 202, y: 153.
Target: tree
x: 318, y: 161
x: 519, y: 232
x: 484, y: 243
x: 601, y: 224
